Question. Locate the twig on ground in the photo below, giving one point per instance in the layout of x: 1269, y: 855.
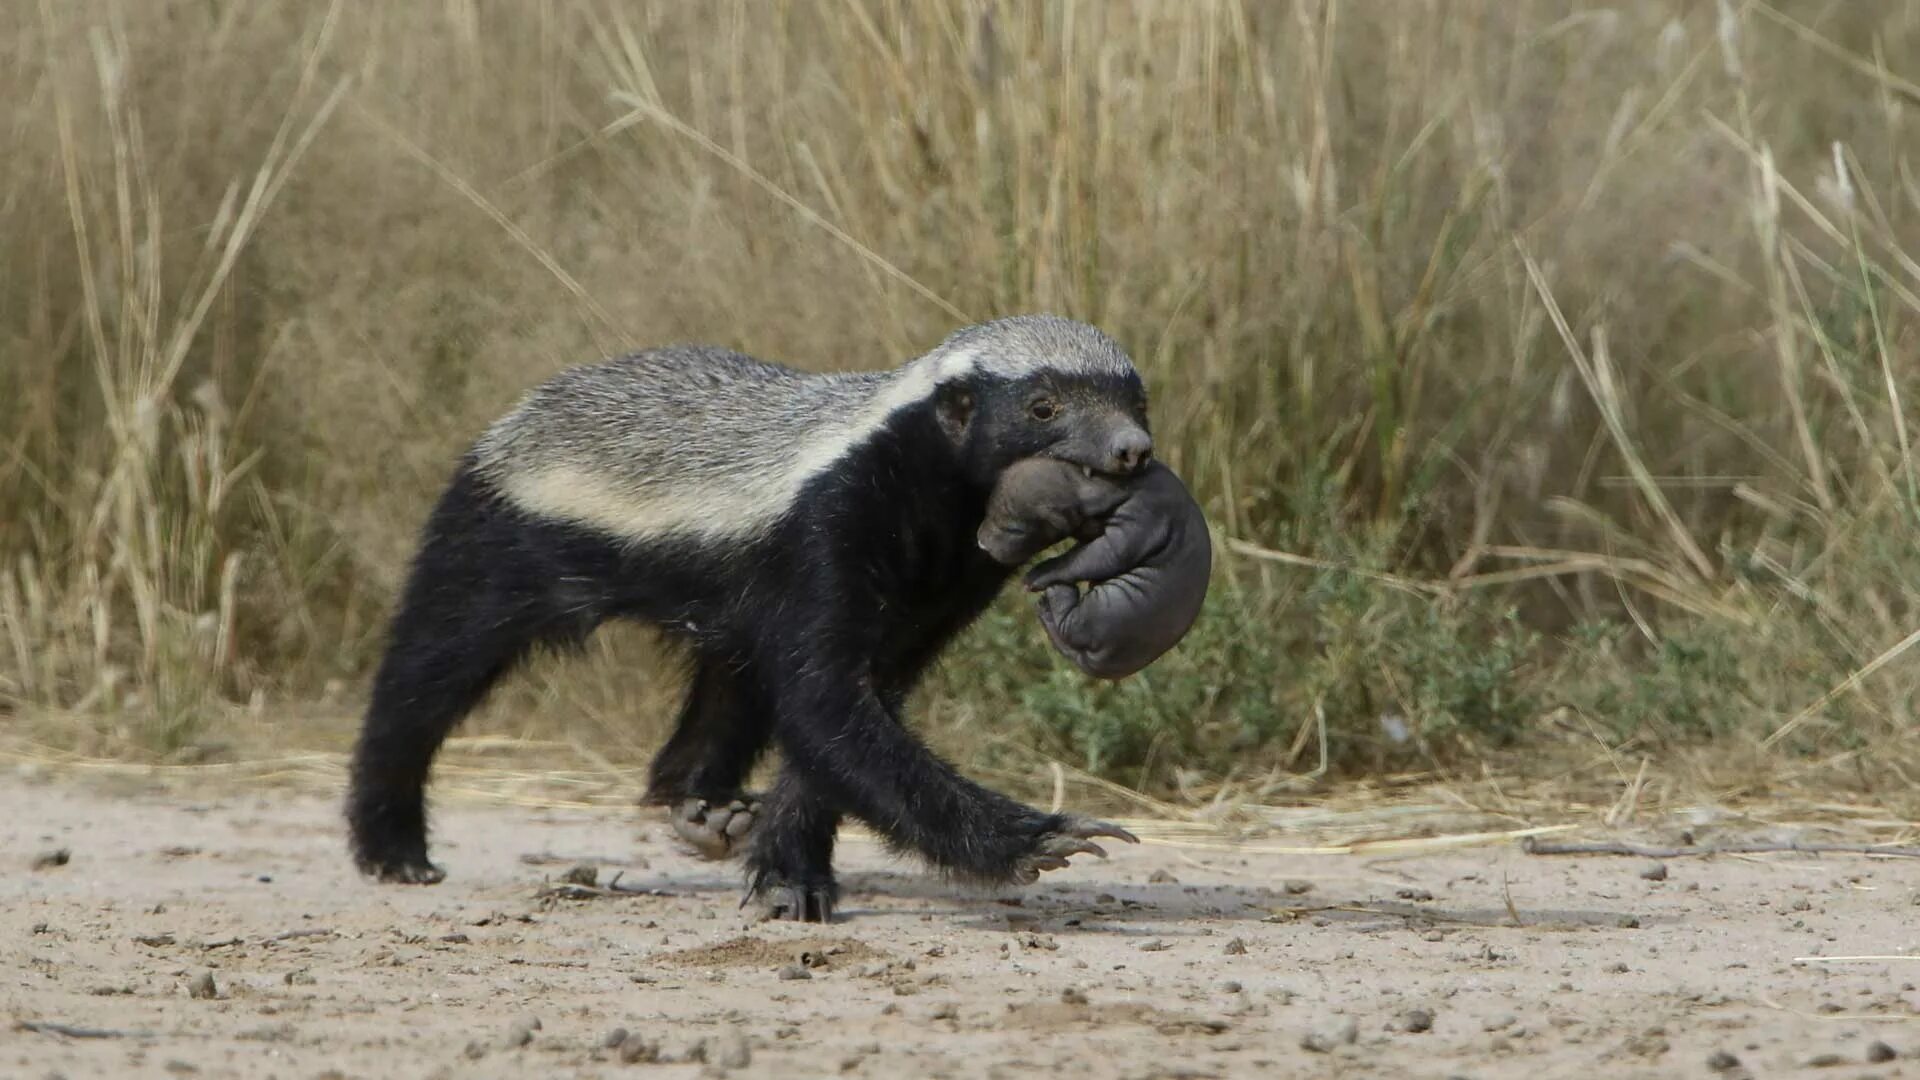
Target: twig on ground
x: 71, y: 1031
x: 569, y: 891
x: 1534, y: 846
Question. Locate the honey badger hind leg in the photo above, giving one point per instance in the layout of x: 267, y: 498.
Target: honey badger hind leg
x: 698, y: 775
x: 477, y: 601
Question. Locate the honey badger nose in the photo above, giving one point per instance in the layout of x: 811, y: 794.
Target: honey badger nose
x: 1130, y: 450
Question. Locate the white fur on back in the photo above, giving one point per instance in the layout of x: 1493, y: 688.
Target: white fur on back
x: 704, y: 443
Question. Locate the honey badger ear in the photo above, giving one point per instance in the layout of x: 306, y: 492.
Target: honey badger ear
x: 953, y: 407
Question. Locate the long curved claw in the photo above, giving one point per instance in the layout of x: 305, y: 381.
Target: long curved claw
x: 799, y: 904
x: 1070, y: 845
x: 1087, y: 828
x: 408, y: 872
x: 795, y: 903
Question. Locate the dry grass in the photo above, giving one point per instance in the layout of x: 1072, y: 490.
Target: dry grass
x: 1594, y: 316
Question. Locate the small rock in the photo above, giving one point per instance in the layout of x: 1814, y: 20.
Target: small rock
x: 1073, y: 996
x: 456, y: 939
x: 1236, y: 947
x: 1416, y: 895
x: 584, y: 874
x: 794, y: 971
x: 614, y: 1039
x: 1162, y: 877
x: 1500, y: 1023
x: 47, y: 860
x: 1155, y: 945
x: 520, y: 1032
x: 1627, y: 922
x: 203, y: 986
x: 1433, y: 935
x: 1416, y: 1021
x: 1297, y: 887
x: 474, y: 1050
x: 1655, y: 872
x: 1616, y: 968
x: 1826, y: 1061
x: 945, y: 1012
x: 730, y: 1051
x: 1345, y: 1033
x: 1880, y: 1052
x: 1231, y: 987
x: 1721, y: 1061
x: 635, y: 1050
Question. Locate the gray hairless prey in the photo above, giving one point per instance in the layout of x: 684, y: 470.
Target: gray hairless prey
x: 1144, y: 554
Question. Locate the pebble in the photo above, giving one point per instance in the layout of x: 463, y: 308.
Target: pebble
x: 47, y: 860
x: 614, y: 1038
x: 1236, y: 947
x: 635, y: 1050
x: 1297, y: 887
x: 730, y: 1051
x: 1826, y: 1061
x: 1345, y: 1033
x: 203, y: 986
x: 1414, y: 894
x: 794, y: 971
x: 584, y: 874
x: 1880, y: 1052
x: 1656, y: 872
x: 1156, y: 945
x: 1500, y: 1023
x: 520, y: 1032
x: 1416, y: 1021
x: 1721, y: 1061
x: 1628, y: 922
x: 1162, y: 877
x: 1073, y: 996
x: 1616, y: 968
x: 1231, y: 987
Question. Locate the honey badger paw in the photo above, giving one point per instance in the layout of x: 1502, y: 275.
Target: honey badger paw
x: 808, y: 901
x: 1073, y: 836
x: 402, y: 871
x: 716, y: 829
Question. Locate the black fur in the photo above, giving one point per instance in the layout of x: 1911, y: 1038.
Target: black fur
x: 813, y: 634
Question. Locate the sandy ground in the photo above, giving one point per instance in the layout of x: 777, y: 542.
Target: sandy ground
x: 1158, y: 963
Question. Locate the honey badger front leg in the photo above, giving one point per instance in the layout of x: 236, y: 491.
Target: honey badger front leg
x: 845, y: 751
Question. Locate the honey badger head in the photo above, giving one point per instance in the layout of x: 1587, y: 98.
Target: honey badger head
x: 1040, y: 386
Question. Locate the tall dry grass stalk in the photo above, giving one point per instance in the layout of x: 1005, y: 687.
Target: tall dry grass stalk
x: 1599, y: 315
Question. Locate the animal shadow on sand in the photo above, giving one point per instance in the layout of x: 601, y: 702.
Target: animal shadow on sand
x: 1109, y: 907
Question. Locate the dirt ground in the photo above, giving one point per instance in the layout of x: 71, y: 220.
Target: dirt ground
x: 1161, y: 962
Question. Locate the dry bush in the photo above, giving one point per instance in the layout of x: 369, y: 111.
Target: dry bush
x: 1548, y: 365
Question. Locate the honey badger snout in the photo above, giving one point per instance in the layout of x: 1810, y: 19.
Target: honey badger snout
x: 1113, y: 445
x: 1129, y: 450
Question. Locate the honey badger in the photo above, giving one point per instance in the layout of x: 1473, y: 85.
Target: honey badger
x: 810, y: 538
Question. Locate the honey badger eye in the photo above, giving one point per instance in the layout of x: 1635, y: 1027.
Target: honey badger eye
x: 1043, y: 410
